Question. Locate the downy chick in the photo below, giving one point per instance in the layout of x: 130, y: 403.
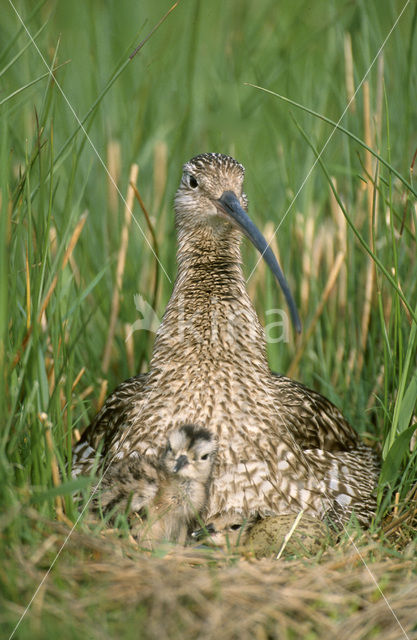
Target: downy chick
x: 167, y: 492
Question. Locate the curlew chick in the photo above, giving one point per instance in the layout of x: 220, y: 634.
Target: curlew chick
x: 167, y: 492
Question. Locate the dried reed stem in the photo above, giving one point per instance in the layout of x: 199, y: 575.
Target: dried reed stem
x: 78, y: 378
x: 379, y: 97
x: 327, y: 290
x: 130, y: 352
x: 56, y: 478
x: 159, y: 172
x: 341, y: 235
x: 73, y: 241
x: 27, y: 292
x: 54, y: 465
x: 396, y: 502
x: 155, y: 245
x: 71, y: 246
x: 113, y: 177
x: 102, y: 394
x: 349, y: 79
x: 307, y: 263
x: 340, y: 221
x: 372, y: 208
x: 121, y: 261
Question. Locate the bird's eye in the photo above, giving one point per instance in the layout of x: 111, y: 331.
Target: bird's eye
x: 204, y: 457
x: 192, y: 182
x: 235, y: 527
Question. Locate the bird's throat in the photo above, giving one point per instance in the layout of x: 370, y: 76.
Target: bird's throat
x: 210, y: 316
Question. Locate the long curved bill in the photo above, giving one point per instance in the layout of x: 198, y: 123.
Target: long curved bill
x: 229, y: 204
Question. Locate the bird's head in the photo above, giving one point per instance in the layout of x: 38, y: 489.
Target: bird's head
x: 190, y: 453
x: 204, y: 180
x: 210, y: 196
x: 227, y: 529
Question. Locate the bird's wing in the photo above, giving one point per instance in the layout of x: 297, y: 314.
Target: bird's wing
x: 112, y: 418
x: 132, y: 482
x: 314, y: 421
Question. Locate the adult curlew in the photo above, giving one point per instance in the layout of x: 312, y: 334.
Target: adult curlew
x: 282, y: 446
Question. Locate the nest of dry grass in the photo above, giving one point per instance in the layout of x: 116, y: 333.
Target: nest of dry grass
x: 106, y: 587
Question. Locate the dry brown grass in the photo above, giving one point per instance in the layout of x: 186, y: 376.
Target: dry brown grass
x: 356, y: 591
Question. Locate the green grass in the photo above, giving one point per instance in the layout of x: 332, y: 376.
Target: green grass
x: 184, y: 93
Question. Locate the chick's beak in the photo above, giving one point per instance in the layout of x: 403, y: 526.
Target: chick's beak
x: 229, y: 204
x: 180, y: 463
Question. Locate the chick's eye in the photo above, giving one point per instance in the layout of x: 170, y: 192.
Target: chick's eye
x: 204, y: 457
x: 192, y: 182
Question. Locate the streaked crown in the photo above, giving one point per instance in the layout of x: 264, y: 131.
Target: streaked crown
x: 205, y: 178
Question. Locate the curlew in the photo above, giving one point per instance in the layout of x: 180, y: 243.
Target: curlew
x: 268, y: 536
x: 168, y: 492
x: 282, y: 447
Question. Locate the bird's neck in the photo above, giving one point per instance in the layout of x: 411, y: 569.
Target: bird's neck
x: 209, y: 266
x: 210, y: 312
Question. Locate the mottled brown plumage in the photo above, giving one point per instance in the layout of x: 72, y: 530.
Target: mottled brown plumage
x: 168, y: 492
x: 282, y: 446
